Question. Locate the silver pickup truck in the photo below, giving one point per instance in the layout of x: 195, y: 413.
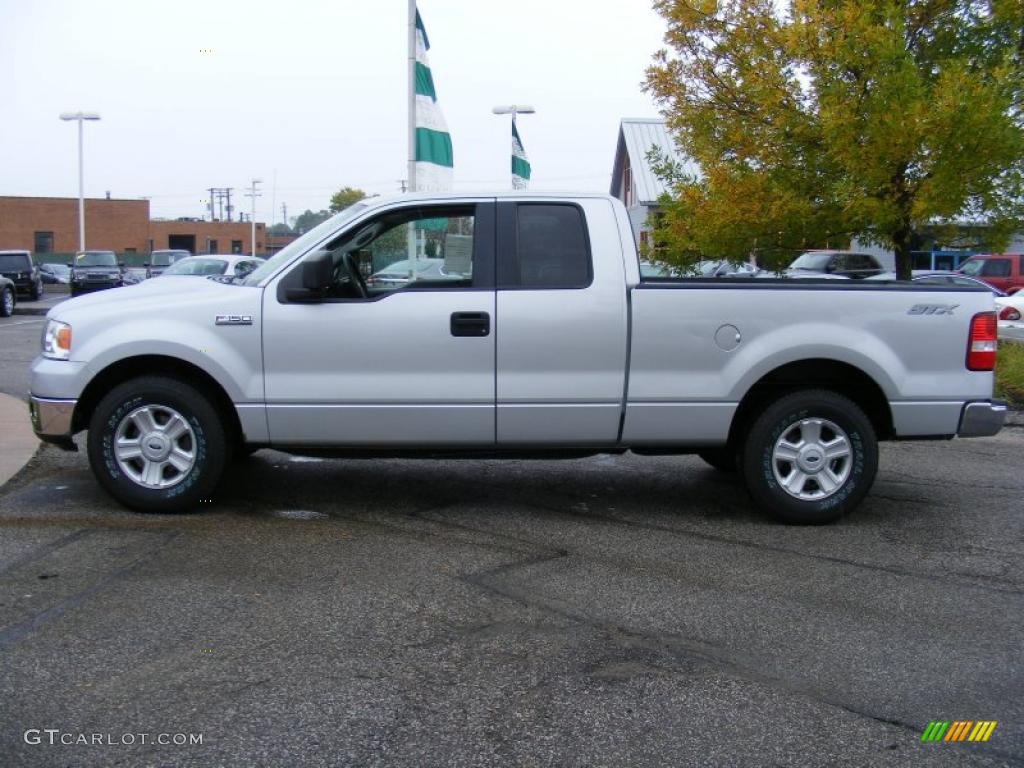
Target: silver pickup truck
x: 509, y: 325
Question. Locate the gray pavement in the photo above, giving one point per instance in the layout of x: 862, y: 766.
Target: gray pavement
x: 610, y: 611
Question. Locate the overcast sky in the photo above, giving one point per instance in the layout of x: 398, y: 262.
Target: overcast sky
x: 310, y: 93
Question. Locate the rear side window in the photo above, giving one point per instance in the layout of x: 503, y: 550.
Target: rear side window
x: 995, y: 268
x: 552, y: 248
x: 860, y: 261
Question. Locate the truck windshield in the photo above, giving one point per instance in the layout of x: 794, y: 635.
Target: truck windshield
x: 96, y: 259
x: 14, y: 262
x: 296, y: 247
x: 164, y: 258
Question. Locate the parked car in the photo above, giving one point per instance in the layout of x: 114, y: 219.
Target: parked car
x: 17, y: 267
x: 8, y: 297
x: 835, y: 263
x: 160, y: 260
x: 1004, y: 271
x: 55, y: 274
x: 401, y: 273
x: 708, y: 268
x: 554, y: 344
x: 941, y: 278
x: 228, y: 265
x: 1010, y: 314
x: 95, y: 271
x: 133, y: 275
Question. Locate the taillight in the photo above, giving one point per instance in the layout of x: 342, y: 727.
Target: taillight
x: 1009, y: 313
x: 981, y: 343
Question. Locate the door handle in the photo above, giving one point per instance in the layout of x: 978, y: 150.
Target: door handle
x: 471, y: 324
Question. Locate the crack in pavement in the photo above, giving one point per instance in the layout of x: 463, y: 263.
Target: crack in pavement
x: 26, y: 627
x: 681, y: 649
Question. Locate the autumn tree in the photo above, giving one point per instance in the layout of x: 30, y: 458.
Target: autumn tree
x: 812, y: 121
x: 345, y: 197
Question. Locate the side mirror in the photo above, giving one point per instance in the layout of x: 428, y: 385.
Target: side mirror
x: 120, y: 264
x: 145, y: 264
x: 317, y: 272
x: 317, y: 275
x: 831, y: 267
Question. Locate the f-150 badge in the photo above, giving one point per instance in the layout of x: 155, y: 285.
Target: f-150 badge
x: 233, y: 320
x: 932, y: 309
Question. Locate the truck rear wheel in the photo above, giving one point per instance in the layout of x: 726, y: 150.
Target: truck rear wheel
x: 157, y: 444
x: 810, y: 457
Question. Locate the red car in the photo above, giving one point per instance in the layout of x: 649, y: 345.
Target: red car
x: 1004, y: 271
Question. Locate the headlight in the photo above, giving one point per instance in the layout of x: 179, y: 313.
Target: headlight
x: 57, y: 340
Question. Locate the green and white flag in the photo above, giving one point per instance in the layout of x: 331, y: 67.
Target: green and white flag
x: 520, y: 164
x: 434, y: 159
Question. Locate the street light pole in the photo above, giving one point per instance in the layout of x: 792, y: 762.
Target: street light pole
x: 514, y: 109
x: 254, y: 194
x: 80, y: 117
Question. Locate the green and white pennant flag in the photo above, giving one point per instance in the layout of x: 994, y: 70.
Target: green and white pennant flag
x: 520, y: 164
x: 434, y: 159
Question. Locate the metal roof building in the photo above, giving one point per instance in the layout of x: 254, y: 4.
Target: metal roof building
x: 633, y: 181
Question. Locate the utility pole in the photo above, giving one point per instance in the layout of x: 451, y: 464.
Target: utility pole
x: 402, y: 184
x: 213, y: 215
x: 254, y: 194
x: 284, y: 213
x: 228, y: 192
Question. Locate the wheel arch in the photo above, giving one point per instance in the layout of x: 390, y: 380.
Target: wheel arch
x: 160, y: 365
x: 815, y: 373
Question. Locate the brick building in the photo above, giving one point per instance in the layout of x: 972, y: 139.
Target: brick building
x: 50, y: 225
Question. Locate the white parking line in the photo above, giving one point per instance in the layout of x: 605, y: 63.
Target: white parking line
x: 21, y: 322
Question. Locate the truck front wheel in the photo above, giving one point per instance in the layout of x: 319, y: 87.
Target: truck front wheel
x: 810, y: 457
x: 157, y: 444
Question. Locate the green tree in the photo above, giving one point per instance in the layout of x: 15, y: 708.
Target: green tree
x: 816, y: 120
x: 308, y: 219
x: 345, y: 197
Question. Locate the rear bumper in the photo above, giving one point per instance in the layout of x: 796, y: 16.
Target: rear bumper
x: 982, y: 419
x: 51, y: 420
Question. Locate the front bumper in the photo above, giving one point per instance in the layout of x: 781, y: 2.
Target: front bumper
x: 52, y: 420
x: 982, y: 419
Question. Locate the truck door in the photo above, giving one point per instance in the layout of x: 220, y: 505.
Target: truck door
x: 561, y: 323
x: 400, y: 352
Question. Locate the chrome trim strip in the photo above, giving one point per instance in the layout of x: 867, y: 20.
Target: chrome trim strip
x: 982, y: 419
x: 51, y: 418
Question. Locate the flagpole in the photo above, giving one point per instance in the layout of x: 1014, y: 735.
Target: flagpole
x: 412, y: 95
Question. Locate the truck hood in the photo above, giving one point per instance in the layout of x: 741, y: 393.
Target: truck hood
x: 176, y: 296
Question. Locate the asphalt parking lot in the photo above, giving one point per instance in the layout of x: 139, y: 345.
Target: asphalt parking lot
x: 615, y: 610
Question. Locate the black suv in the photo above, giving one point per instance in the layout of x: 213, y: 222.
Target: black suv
x: 94, y: 271
x: 17, y: 267
x: 835, y: 263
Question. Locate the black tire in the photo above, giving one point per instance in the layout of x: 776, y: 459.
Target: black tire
x: 7, y: 302
x: 723, y: 459
x: 206, y: 442
x: 780, y: 419
x: 37, y: 292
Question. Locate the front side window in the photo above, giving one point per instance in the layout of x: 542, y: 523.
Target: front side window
x: 995, y: 268
x: 417, y: 248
